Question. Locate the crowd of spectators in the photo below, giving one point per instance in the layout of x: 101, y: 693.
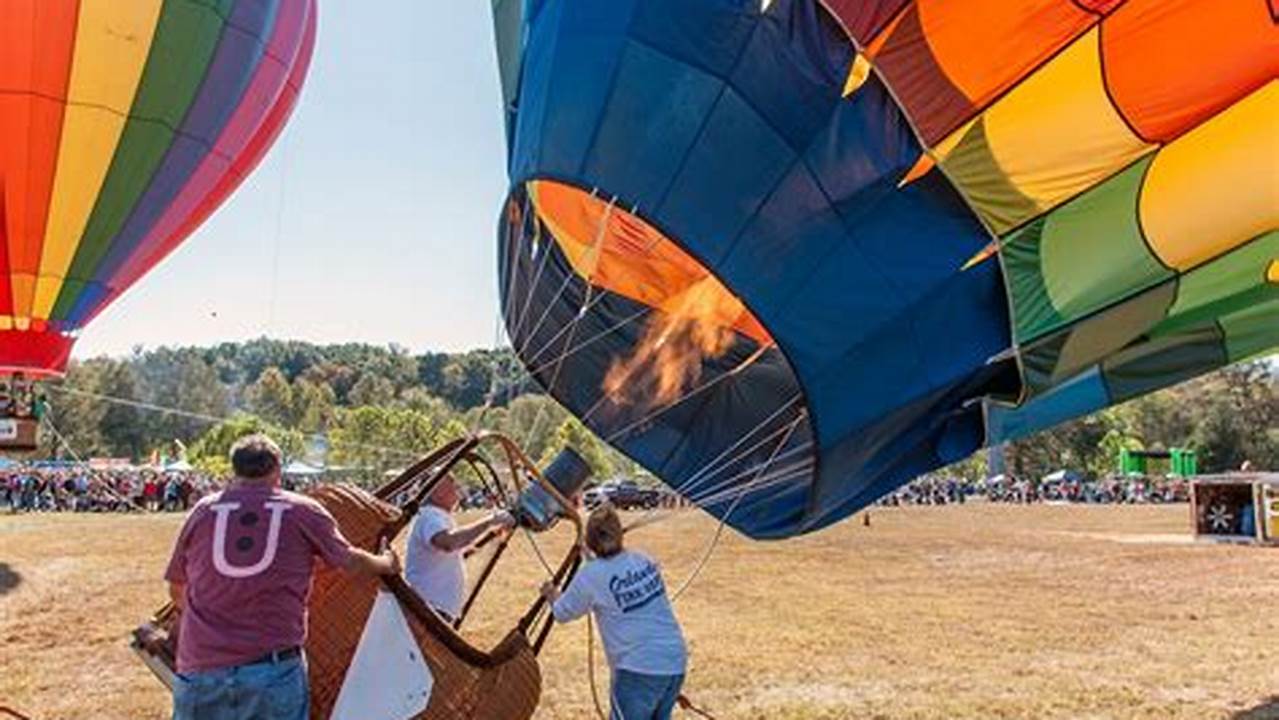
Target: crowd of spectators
x: 1063, y: 488
x: 82, y: 489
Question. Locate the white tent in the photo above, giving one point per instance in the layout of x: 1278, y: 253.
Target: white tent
x: 300, y: 469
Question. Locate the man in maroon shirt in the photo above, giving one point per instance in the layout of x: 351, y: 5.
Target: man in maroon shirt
x: 240, y: 574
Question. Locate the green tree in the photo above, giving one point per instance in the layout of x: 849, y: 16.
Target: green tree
x: 271, y: 397
x: 211, y: 451
x: 78, y: 417
x: 313, y: 405
x: 372, y: 390
x: 181, y: 379
x: 123, y: 428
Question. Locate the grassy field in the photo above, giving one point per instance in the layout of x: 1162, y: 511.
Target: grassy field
x: 976, y: 611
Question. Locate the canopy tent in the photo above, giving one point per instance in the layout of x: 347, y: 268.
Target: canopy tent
x: 299, y: 468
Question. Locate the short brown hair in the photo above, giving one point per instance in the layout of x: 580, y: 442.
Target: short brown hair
x: 255, y: 456
x: 604, y: 531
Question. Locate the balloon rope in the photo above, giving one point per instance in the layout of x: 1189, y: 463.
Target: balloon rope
x: 779, y: 476
x: 62, y: 441
x: 569, y: 351
x: 714, y: 464
x: 211, y: 419
x: 710, y: 496
x: 586, y: 298
x: 568, y: 278
x: 537, y: 276
x: 515, y: 233
x: 723, y: 520
x: 47, y: 422
x: 546, y: 313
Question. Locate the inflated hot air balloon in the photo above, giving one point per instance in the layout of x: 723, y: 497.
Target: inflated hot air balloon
x: 789, y: 255
x: 123, y: 125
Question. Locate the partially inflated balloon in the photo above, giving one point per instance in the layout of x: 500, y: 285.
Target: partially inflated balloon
x: 123, y: 125
x: 789, y: 255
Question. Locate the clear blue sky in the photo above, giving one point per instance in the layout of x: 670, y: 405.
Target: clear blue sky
x: 380, y: 197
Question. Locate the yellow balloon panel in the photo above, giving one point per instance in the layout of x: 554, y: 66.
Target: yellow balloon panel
x: 1217, y: 186
x: 1052, y: 137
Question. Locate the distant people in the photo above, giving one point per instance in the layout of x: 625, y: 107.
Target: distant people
x: 642, y: 639
x: 434, y: 560
x: 240, y: 575
x: 1246, y: 466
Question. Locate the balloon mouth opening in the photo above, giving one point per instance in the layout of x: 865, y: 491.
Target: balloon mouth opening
x: 656, y: 354
x: 694, y: 316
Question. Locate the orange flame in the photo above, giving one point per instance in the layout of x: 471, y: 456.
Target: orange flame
x: 694, y: 326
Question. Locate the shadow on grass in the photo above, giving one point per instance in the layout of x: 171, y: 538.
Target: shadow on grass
x: 8, y: 578
x: 1267, y: 710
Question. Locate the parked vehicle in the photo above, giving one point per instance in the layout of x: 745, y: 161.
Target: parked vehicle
x: 624, y: 495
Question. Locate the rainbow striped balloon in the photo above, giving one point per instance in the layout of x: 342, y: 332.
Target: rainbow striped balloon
x: 123, y: 125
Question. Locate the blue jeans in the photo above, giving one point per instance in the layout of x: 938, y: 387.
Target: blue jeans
x: 636, y: 696
x: 262, y: 691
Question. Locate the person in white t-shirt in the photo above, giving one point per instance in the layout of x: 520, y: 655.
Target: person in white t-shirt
x: 642, y: 639
x: 434, y: 565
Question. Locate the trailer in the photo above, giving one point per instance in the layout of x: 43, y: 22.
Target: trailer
x: 1236, y: 508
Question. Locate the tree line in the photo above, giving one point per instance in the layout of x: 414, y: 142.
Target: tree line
x: 364, y: 407
x: 374, y: 408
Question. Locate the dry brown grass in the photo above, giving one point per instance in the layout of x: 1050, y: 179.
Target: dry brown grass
x: 976, y: 611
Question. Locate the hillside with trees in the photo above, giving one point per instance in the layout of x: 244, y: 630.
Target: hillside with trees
x: 376, y: 408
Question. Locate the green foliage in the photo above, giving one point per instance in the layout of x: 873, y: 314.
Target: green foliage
x: 211, y: 452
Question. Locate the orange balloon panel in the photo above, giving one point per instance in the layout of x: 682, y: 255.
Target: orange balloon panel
x: 30, y: 123
x: 619, y: 252
x: 1171, y: 64
x: 947, y: 60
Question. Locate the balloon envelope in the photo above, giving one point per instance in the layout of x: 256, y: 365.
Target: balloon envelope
x: 123, y: 125
x: 887, y: 233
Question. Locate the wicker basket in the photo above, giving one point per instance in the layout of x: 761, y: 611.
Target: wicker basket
x: 504, y: 684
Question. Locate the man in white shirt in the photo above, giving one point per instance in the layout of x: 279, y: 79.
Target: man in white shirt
x: 642, y: 639
x: 434, y: 564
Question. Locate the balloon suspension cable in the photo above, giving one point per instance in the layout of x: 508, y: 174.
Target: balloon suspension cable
x: 61, y: 439
x: 723, y: 520
x: 714, y: 465
x: 692, y: 488
x: 581, y: 312
x: 47, y: 422
x: 571, y: 350
x: 210, y: 419
x: 515, y: 231
x: 491, y: 395
x: 537, y: 277
x: 596, y: 246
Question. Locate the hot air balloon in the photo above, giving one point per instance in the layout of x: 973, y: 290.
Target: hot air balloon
x: 789, y: 255
x: 123, y: 126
